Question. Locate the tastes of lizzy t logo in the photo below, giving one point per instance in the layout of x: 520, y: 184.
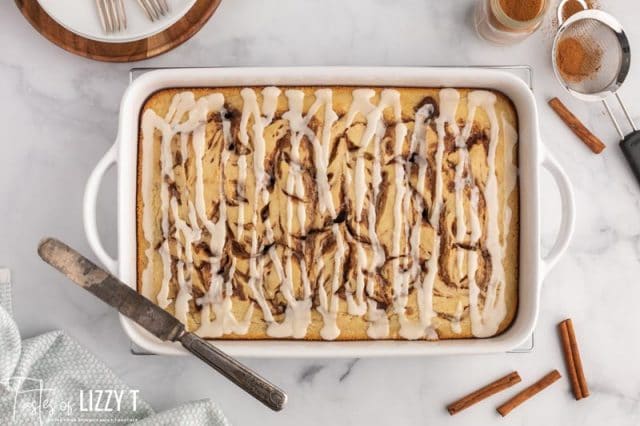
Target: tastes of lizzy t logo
x: 34, y: 402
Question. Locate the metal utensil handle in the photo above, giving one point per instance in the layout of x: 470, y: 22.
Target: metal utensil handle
x: 267, y: 393
x: 613, y: 118
x: 626, y: 112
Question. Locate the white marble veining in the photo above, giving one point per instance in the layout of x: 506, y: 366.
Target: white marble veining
x: 58, y: 115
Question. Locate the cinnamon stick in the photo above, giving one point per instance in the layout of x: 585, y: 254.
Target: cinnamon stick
x: 577, y: 360
x: 529, y: 392
x: 569, y: 359
x: 589, y: 139
x: 483, y: 393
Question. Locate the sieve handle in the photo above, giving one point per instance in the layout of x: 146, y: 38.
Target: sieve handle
x: 630, y: 146
x: 613, y: 118
x: 626, y: 112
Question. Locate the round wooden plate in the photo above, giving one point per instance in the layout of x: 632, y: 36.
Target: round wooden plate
x: 138, y: 50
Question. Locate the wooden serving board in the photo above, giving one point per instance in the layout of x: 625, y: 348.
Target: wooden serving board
x: 138, y: 50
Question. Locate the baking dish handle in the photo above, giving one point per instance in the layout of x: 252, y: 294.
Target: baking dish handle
x: 568, y: 217
x: 89, y: 208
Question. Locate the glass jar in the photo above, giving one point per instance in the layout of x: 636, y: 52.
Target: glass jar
x: 494, y: 24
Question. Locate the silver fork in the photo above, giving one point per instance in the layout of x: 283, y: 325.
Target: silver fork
x: 154, y: 9
x: 112, y: 15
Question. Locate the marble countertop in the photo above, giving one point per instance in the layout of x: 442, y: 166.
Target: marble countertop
x: 58, y: 115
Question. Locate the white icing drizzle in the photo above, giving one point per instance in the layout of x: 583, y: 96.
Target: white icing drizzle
x: 198, y: 112
x: 328, y: 302
x: 418, y: 139
x: 180, y: 104
x: 166, y: 173
x: 510, y: 172
x: 455, y: 322
x: 379, y: 322
x: 400, y: 278
x: 298, y: 312
x: 184, y: 286
x: 459, y: 181
x: 418, y: 329
x: 329, y: 307
x: 190, y: 234
x: 374, y: 130
x: 215, y: 300
x: 251, y: 109
x: 361, y: 104
x: 218, y: 297
x: 148, y: 129
x: 242, y: 177
x: 472, y: 263
x: 486, y: 321
x: 188, y: 116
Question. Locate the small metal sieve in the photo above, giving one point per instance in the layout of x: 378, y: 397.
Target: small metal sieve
x: 602, y: 37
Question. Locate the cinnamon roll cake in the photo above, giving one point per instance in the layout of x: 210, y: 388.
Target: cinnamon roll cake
x: 330, y: 213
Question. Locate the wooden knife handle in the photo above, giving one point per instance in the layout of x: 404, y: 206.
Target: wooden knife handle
x: 265, y: 392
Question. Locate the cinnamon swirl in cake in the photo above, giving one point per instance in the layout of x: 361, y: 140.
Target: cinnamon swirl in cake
x: 330, y: 213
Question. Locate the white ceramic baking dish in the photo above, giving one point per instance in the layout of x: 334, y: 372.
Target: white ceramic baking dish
x: 532, y: 155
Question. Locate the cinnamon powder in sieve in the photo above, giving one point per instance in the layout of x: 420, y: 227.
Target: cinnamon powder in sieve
x: 522, y: 10
x: 574, y: 61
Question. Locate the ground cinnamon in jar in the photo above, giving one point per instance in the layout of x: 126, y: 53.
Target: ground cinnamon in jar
x: 576, y: 62
x: 508, y: 21
x: 522, y: 10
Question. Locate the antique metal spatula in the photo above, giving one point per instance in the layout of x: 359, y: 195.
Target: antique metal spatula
x: 155, y: 319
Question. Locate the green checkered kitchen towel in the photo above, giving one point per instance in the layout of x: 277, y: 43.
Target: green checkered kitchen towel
x: 52, y: 379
